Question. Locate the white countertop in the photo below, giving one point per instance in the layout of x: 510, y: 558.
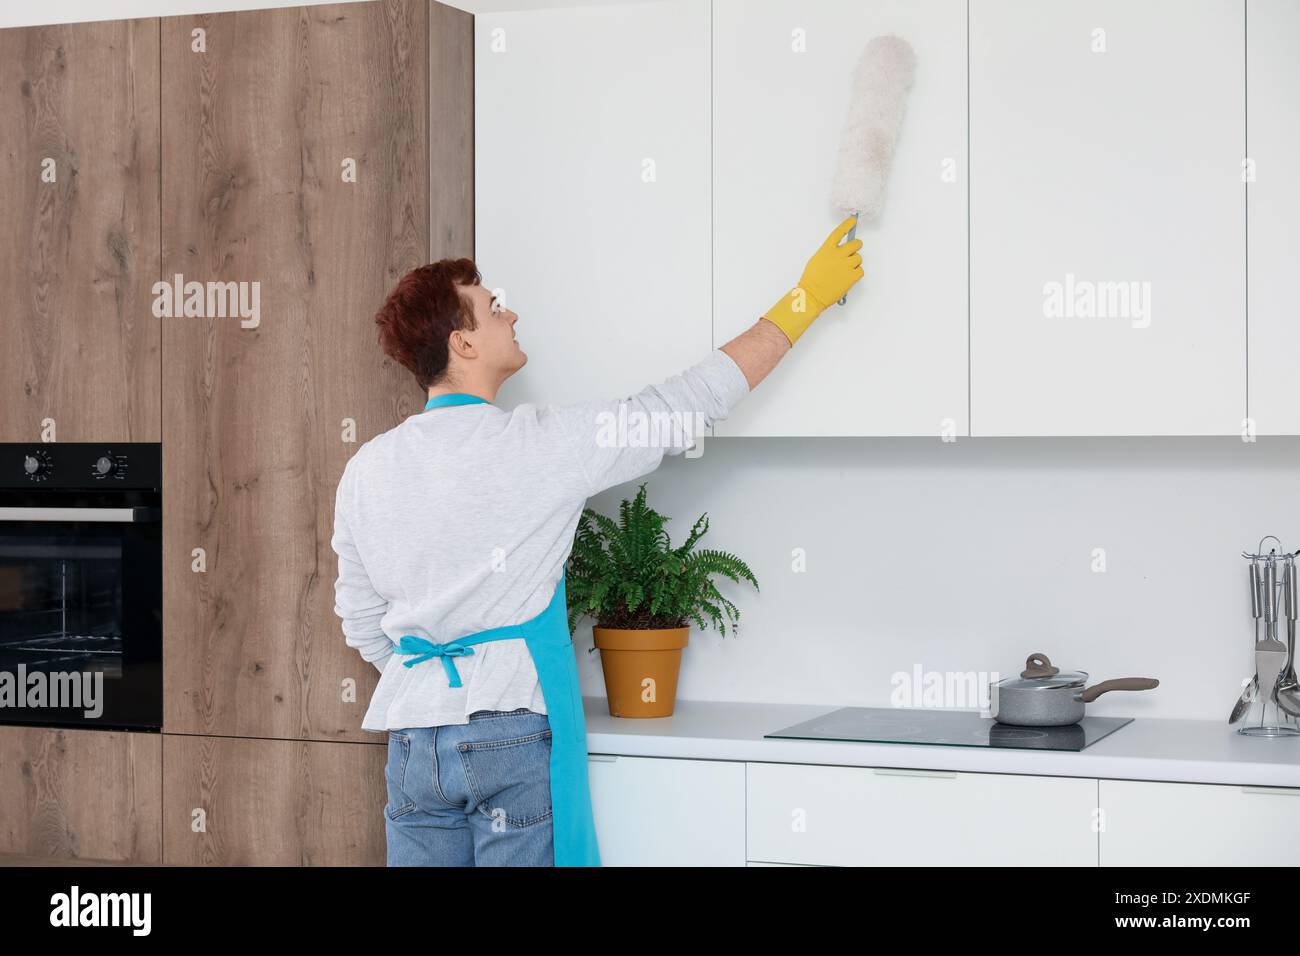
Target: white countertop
x: 1188, y: 751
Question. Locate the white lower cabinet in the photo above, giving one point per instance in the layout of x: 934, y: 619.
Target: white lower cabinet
x: 653, y: 811
x: 851, y: 816
x: 1196, y: 824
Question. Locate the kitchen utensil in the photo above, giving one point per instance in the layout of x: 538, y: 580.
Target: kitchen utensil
x: 1248, y: 695
x: 1270, y: 704
x: 1287, y: 697
x: 1045, y: 696
x: 1270, y: 659
x: 1256, y: 596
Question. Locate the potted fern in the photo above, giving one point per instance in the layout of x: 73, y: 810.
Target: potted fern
x: 643, y: 595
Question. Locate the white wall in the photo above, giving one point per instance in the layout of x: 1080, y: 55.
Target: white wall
x: 969, y: 556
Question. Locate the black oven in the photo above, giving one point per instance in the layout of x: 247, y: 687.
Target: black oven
x: 81, y: 585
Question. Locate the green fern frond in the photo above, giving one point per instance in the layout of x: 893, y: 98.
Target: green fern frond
x: 625, y: 572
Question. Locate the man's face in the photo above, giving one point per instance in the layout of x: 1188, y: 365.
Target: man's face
x: 494, y: 339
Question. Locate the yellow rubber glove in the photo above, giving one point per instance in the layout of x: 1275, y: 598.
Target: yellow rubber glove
x: 830, y: 273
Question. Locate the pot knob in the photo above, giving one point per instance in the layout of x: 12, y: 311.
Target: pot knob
x: 1037, y: 665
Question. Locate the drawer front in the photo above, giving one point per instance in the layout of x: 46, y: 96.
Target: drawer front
x: 79, y: 795
x: 1195, y: 824
x: 850, y: 816
x: 653, y: 811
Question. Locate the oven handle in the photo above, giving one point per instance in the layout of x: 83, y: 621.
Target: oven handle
x: 122, y: 515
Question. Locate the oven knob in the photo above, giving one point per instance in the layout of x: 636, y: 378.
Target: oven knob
x: 109, y: 466
x: 37, y: 466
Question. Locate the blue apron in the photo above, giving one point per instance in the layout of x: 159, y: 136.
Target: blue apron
x: 551, y: 647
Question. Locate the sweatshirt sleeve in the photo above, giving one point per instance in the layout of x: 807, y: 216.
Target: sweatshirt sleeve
x: 355, y: 601
x: 623, y: 439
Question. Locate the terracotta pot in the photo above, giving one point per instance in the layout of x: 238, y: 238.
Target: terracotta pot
x: 641, y: 669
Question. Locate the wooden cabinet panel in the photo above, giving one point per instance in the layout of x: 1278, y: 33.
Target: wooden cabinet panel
x: 1273, y: 144
x: 256, y: 132
x: 79, y: 255
x: 81, y: 794
x: 1107, y: 217
x: 451, y: 133
x: 893, y: 359
x: 273, y: 802
x: 592, y: 192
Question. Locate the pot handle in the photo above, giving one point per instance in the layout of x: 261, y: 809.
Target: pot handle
x: 1037, y: 665
x: 1119, y: 683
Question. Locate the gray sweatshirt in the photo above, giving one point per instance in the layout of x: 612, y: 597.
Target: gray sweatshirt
x: 461, y: 518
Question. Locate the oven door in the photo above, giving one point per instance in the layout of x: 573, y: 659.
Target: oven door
x: 81, y: 609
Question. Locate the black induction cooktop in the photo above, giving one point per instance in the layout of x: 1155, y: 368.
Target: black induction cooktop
x: 948, y: 728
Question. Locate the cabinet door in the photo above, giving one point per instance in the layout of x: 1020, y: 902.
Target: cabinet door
x: 229, y: 802
x: 1107, y: 217
x: 893, y: 359
x: 79, y: 232
x: 657, y: 812
x: 849, y: 816
x: 592, y: 192
x: 1192, y: 824
x: 80, y: 795
x: 1273, y: 144
x: 260, y: 132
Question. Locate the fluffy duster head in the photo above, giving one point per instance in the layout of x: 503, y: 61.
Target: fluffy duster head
x: 880, y: 85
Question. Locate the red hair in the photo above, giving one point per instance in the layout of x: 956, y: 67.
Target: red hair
x: 421, y: 313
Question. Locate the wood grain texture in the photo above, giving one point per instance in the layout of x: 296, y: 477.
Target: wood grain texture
x: 273, y: 802
x: 451, y: 132
x: 79, y: 256
x: 81, y: 794
x: 254, y: 134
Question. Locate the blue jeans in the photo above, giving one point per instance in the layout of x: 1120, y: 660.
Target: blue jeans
x: 476, y: 794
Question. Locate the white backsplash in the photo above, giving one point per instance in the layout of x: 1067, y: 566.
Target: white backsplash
x: 966, y: 557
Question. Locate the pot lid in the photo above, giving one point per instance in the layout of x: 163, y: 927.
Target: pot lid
x: 1041, y: 674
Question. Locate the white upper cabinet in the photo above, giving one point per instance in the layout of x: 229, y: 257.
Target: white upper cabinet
x: 893, y: 360
x: 1273, y: 145
x: 592, y: 192
x: 1108, y: 217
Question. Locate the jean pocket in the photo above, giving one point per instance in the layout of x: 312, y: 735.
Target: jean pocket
x: 399, y: 755
x: 510, y: 779
x: 479, y: 715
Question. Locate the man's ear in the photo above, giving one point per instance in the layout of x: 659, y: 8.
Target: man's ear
x: 459, y: 344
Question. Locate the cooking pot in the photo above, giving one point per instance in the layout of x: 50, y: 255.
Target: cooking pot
x: 1046, y: 696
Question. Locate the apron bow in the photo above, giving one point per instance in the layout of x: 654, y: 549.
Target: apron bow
x: 426, y: 650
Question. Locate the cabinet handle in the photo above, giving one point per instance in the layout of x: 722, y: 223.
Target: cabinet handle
x: 1274, y: 791
x: 602, y: 758
x: 900, y: 772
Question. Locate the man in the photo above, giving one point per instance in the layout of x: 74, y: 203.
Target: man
x: 452, y: 531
